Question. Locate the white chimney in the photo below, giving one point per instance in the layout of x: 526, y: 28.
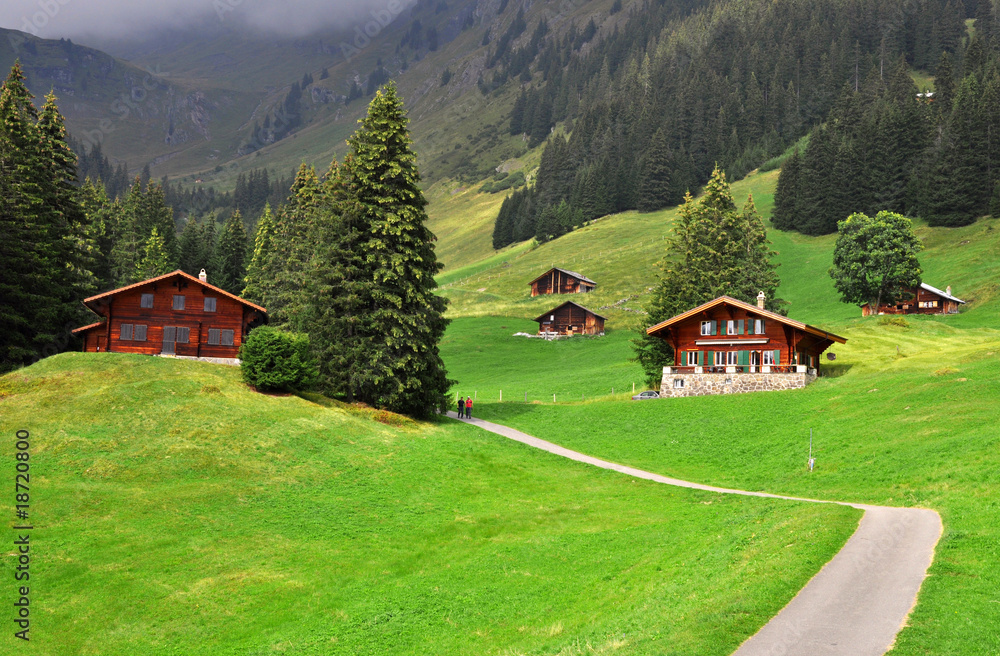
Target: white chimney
x: 947, y: 290
x: 760, y: 300
x: 204, y: 277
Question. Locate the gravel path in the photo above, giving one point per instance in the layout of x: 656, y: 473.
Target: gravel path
x: 856, y: 604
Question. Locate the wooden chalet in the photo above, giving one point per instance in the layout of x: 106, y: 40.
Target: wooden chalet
x: 561, y: 281
x: 920, y: 300
x: 718, y: 341
x: 570, y: 319
x: 175, y: 314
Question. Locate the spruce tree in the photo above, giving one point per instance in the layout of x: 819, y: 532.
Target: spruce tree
x: 404, y: 318
x: 263, y: 251
x: 156, y: 259
x: 656, y: 182
x: 231, y: 255
x: 785, y: 214
x: 190, y: 247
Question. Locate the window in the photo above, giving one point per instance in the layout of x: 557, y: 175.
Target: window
x: 126, y: 332
x: 139, y: 334
x: 213, y: 336
x: 227, y: 338
x: 706, y: 327
x: 730, y: 327
x: 692, y: 358
x: 928, y: 304
x: 758, y: 326
x: 769, y: 358
x: 732, y: 358
x: 183, y: 335
x: 146, y: 301
x: 678, y: 383
x: 178, y: 302
x: 209, y: 304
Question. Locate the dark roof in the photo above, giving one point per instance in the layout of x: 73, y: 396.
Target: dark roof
x: 746, y: 306
x: 579, y: 276
x: 182, y: 274
x: 542, y: 316
x: 935, y: 290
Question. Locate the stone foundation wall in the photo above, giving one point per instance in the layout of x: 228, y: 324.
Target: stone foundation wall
x: 704, y: 384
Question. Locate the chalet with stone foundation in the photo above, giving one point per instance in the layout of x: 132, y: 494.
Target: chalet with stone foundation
x: 561, y: 281
x: 727, y: 346
x: 570, y: 319
x: 175, y: 314
x: 919, y: 300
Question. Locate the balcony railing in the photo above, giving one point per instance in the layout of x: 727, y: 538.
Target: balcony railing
x: 742, y: 369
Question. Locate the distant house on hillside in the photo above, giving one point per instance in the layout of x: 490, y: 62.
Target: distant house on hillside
x: 174, y: 314
x: 561, y: 281
x: 570, y: 319
x: 920, y: 300
x: 727, y: 346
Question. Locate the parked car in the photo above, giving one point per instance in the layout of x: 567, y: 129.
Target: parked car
x: 649, y: 394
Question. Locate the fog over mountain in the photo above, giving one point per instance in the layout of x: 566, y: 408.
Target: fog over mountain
x: 127, y: 19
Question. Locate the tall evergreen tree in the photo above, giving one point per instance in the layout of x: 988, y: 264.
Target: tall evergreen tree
x: 785, y: 215
x: 231, y: 255
x: 657, y: 188
x: 263, y: 251
x: 404, y: 318
x: 156, y: 259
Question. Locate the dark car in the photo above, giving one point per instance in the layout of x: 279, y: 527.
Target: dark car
x: 642, y: 396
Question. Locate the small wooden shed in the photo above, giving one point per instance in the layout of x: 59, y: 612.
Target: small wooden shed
x: 571, y: 319
x: 561, y: 281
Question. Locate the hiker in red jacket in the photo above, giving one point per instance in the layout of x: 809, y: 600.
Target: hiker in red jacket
x: 468, y: 407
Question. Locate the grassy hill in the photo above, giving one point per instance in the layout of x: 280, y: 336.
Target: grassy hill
x: 177, y: 511
x: 908, y: 415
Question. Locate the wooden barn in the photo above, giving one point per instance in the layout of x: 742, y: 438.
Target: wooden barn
x: 570, y: 319
x: 728, y: 346
x: 921, y: 300
x: 561, y: 281
x: 175, y: 314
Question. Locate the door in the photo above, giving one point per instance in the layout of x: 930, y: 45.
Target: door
x: 169, y: 337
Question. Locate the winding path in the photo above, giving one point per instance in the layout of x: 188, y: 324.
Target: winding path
x: 856, y: 604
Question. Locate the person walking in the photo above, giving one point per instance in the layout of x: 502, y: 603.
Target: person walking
x: 468, y: 407
x: 461, y: 407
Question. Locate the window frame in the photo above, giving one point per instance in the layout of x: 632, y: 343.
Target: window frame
x: 691, y: 358
x: 182, y: 303
x: 767, y: 358
x: 216, y: 339
x: 122, y: 329
x: 140, y: 332
x: 143, y: 298
x: 706, y: 328
x: 214, y: 302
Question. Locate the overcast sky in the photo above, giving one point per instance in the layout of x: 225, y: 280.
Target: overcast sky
x: 125, y: 18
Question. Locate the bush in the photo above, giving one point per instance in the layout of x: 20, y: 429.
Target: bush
x: 273, y: 359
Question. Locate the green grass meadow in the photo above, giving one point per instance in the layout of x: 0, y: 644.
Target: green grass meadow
x: 907, y: 415
x: 176, y: 511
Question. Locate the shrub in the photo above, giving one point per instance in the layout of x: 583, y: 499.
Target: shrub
x: 273, y: 359
x: 893, y: 321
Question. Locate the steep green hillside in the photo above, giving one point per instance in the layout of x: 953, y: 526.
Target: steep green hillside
x: 176, y: 511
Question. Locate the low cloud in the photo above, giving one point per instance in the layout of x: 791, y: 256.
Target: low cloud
x: 126, y: 19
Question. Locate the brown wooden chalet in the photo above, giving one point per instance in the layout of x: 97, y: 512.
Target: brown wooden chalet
x: 920, y: 300
x: 570, y: 319
x: 726, y: 336
x: 173, y: 314
x: 561, y: 281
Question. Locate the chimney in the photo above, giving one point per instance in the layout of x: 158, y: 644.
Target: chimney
x: 948, y: 290
x: 204, y: 277
x: 760, y: 300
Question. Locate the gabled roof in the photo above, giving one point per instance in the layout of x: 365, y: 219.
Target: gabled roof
x: 728, y: 300
x: 935, y: 290
x: 178, y: 272
x: 544, y: 314
x: 579, y: 276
